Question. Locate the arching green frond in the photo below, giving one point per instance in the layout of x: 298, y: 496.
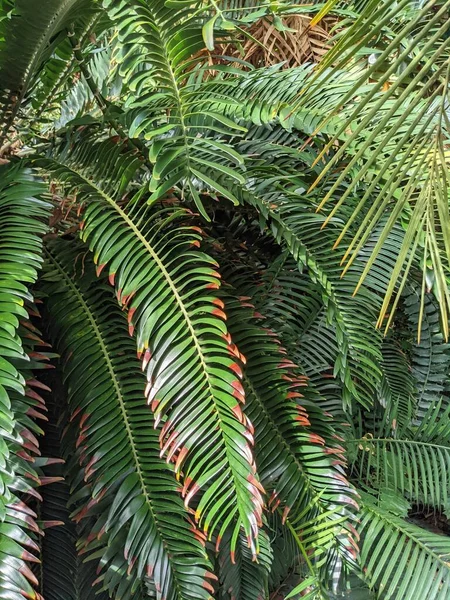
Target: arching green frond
x: 120, y: 449
x: 401, y: 560
x: 166, y: 285
x: 269, y: 96
x: 352, y: 317
x: 20, y: 259
x: 298, y: 461
x: 397, y: 390
x: 415, y: 468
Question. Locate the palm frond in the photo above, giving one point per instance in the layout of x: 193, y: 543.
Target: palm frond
x: 401, y: 560
x: 161, y: 102
x: 166, y: 285
x: 394, y: 133
x: 416, y: 468
x: 105, y: 395
x: 430, y: 358
x: 298, y: 461
x: 293, y: 223
x: 241, y: 578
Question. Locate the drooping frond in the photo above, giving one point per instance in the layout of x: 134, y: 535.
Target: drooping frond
x: 298, y: 461
x: 291, y: 305
x: 119, y: 449
x: 353, y: 318
x: 21, y: 211
x: 143, y: 265
x: 242, y: 578
x: 430, y: 358
x: 167, y: 287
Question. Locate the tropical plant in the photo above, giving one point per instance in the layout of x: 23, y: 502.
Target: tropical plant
x: 201, y: 395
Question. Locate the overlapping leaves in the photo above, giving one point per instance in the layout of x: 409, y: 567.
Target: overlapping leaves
x: 166, y: 285
x: 143, y: 515
x: 159, y: 43
x: 21, y: 211
x: 401, y: 560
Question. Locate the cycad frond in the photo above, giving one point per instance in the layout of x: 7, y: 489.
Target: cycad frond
x: 242, y: 578
x: 430, y: 358
x: 162, y: 103
x: 292, y: 223
x: 297, y: 458
x: 401, y: 560
x: 394, y: 133
x: 106, y: 396
x: 166, y: 285
x: 416, y: 468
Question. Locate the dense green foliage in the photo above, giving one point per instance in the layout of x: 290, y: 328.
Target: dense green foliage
x: 224, y: 300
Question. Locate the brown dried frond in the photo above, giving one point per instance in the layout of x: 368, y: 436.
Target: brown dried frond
x: 294, y: 48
